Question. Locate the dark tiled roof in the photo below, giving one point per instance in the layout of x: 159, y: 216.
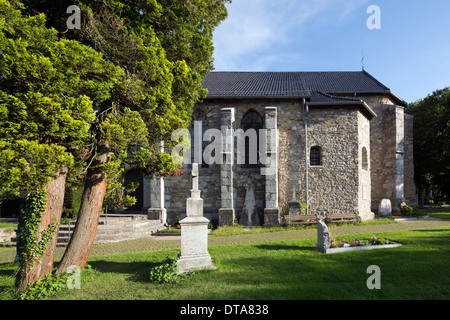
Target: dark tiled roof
x: 324, y: 99
x: 289, y: 84
x: 255, y: 84
x: 321, y: 97
x: 343, y: 82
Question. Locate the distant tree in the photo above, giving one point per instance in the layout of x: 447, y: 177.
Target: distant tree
x: 432, y: 144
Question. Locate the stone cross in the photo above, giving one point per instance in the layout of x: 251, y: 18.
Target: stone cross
x: 195, y: 193
x: 194, y: 232
x: 195, y: 176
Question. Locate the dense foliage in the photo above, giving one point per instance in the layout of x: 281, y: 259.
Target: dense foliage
x: 93, y: 99
x: 44, y: 120
x: 432, y: 144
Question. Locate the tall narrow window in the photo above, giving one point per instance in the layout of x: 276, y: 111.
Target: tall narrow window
x: 365, y: 161
x: 315, y: 157
x: 252, y: 120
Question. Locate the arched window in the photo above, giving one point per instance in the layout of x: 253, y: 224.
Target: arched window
x: 252, y: 120
x: 197, y: 139
x: 365, y: 160
x: 315, y: 156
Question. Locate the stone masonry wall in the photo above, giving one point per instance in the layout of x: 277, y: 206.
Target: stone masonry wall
x: 364, y: 193
x: 392, y: 165
x: 334, y: 187
x: 177, y: 189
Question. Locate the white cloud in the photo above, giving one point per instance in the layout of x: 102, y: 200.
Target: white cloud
x: 258, y: 31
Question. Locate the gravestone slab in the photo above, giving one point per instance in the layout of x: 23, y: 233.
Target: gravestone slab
x: 323, y: 237
x: 385, y: 208
x: 294, y: 208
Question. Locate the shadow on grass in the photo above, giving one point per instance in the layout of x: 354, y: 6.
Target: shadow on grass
x: 430, y: 230
x: 138, y: 271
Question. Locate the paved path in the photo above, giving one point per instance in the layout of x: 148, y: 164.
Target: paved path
x: 173, y: 242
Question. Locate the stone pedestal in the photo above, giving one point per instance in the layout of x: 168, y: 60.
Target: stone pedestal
x: 272, y: 217
x: 194, y: 233
x: 226, y: 216
x: 157, y: 214
x: 157, y: 210
x: 194, y: 245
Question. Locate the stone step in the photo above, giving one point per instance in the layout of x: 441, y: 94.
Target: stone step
x: 111, y: 228
x: 126, y: 231
x: 7, y: 244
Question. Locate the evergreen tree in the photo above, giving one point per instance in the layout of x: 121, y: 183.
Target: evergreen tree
x: 44, y: 119
x: 103, y: 95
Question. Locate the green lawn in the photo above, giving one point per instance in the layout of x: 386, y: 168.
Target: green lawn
x: 237, y: 230
x: 276, y: 270
x: 8, y: 225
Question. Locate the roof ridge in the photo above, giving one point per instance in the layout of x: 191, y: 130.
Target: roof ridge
x: 373, y: 78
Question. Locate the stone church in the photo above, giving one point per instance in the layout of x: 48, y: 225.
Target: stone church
x: 342, y: 143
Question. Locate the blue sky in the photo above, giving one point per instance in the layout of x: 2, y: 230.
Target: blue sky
x: 410, y: 53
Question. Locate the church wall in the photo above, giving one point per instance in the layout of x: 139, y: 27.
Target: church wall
x: 334, y: 187
x: 392, y: 164
x: 364, y: 168
x: 177, y: 189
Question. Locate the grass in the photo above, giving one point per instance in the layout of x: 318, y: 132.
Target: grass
x: 442, y: 213
x: 238, y: 230
x: 439, y: 213
x: 282, y: 270
x: 8, y: 225
x: 172, y: 230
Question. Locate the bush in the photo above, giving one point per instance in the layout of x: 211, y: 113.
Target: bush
x: 166, y: 272
x: 405, y: 209
x: 44, y: 287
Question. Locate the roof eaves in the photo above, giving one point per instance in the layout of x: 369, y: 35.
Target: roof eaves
x: 340, y: 101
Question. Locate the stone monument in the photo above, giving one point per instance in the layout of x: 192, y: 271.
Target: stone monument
x: 385, y: 208
x: 250, y: 216
x: 323, y: 237
x: 194, y: 232
x: 294, y: 205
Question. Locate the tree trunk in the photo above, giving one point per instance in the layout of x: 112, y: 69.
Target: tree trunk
x: 79, y: 247
x: 54, y: 205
